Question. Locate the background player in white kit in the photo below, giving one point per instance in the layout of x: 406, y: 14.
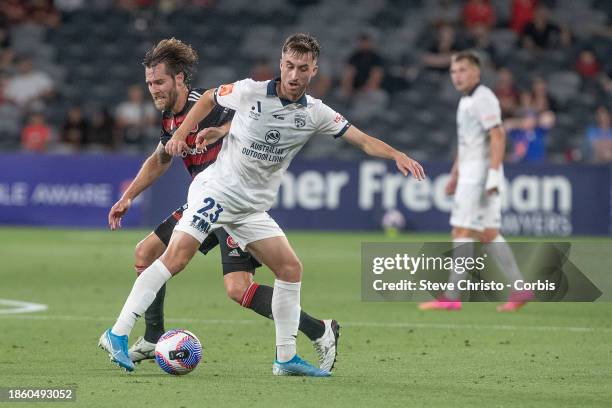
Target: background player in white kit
x: 273, y: 121
x: 476, y: 181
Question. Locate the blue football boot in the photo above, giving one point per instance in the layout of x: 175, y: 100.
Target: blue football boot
x: 116, y: 346
x: 297, y: 366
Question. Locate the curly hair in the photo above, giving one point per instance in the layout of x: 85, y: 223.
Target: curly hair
x: 178, y: 57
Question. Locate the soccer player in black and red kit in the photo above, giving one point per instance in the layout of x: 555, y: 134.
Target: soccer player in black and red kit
x: 168, y: 71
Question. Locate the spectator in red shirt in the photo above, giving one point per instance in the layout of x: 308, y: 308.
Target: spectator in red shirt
x: 522, y: 14
x: 35, y: 136
x: 477, y: 12
x: 587, y: 65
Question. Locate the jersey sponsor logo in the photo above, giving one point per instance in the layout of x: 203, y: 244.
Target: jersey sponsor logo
x: 300, y: 120
x: 192, y: 152
x: 226, y: 89
x: 272, y: 136
x: 339, y: 118
x: 231, y: 243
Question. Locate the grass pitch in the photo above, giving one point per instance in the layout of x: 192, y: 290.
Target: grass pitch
x: 391, y: 354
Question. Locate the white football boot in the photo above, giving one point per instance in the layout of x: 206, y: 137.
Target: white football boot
x: 141, y: 350
x: 327, y: 345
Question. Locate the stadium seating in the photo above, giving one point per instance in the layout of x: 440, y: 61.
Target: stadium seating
x: 95, y: 54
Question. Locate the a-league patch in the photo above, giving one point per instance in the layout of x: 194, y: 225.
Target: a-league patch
x: 231, y: 243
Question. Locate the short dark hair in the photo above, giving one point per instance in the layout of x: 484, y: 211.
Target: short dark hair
x: 178, y: 57
x: 301, y: 44
x: 469, y: 56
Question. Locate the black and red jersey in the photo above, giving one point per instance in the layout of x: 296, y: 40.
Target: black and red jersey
x: 196, y: 160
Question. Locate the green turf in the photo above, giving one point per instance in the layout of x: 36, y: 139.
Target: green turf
x: 547, y: 355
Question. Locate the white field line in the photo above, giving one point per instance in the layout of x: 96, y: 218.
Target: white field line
x: 18, y: 307
x: 400, y: 325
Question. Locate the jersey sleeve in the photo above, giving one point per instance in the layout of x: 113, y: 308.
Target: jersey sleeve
x: 229, y: 95
x: 330, y: 122
x: 488, y: 111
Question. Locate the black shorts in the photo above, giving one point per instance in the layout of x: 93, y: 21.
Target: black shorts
x: 233, y: 258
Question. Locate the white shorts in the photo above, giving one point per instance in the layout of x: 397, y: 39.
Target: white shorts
x: 474, y: 209
x: 207, y: 211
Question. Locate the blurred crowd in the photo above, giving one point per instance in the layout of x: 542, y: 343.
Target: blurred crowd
x: 554, y: 86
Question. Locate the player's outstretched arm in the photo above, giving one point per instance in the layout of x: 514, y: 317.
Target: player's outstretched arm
x: 176, y: 145
x: 210, y: 135
x: 378, y: 148
x: 151, y: 170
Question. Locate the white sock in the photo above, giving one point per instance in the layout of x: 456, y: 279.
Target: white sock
x: 462, y: 247
x: 286, y: 311
x: 501, y: 252
x: 142, y: 295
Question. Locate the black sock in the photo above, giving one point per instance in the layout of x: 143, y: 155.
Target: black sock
x: 261, y: 303
x: 154, y: 317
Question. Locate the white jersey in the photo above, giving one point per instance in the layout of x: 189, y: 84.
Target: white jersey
x: 266, y: 134
x: 478, y: 112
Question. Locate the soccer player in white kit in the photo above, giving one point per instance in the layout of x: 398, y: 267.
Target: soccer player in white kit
x: 476, y: 182
x: 273, y: 121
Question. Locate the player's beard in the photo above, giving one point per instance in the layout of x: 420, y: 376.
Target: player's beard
x: 171, y: 99
x: 168, y: 101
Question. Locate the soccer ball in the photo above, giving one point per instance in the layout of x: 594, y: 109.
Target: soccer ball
x: 392, y: 222
x: 178, y: 352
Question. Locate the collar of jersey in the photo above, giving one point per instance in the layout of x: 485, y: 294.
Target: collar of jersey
x: 473, y: 89
x: 272, y: 92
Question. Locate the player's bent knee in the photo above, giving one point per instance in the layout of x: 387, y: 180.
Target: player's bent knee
x: 175, y: 262
x: 236, y: 284
x: 142, y: 257
x: 291, y: 271
x: 181, y: 249
x: 235, y: 291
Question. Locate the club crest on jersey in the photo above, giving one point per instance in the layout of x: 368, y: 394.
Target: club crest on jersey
x: 300, y: 120
x: 272, y: 136
x: 231, y: 243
